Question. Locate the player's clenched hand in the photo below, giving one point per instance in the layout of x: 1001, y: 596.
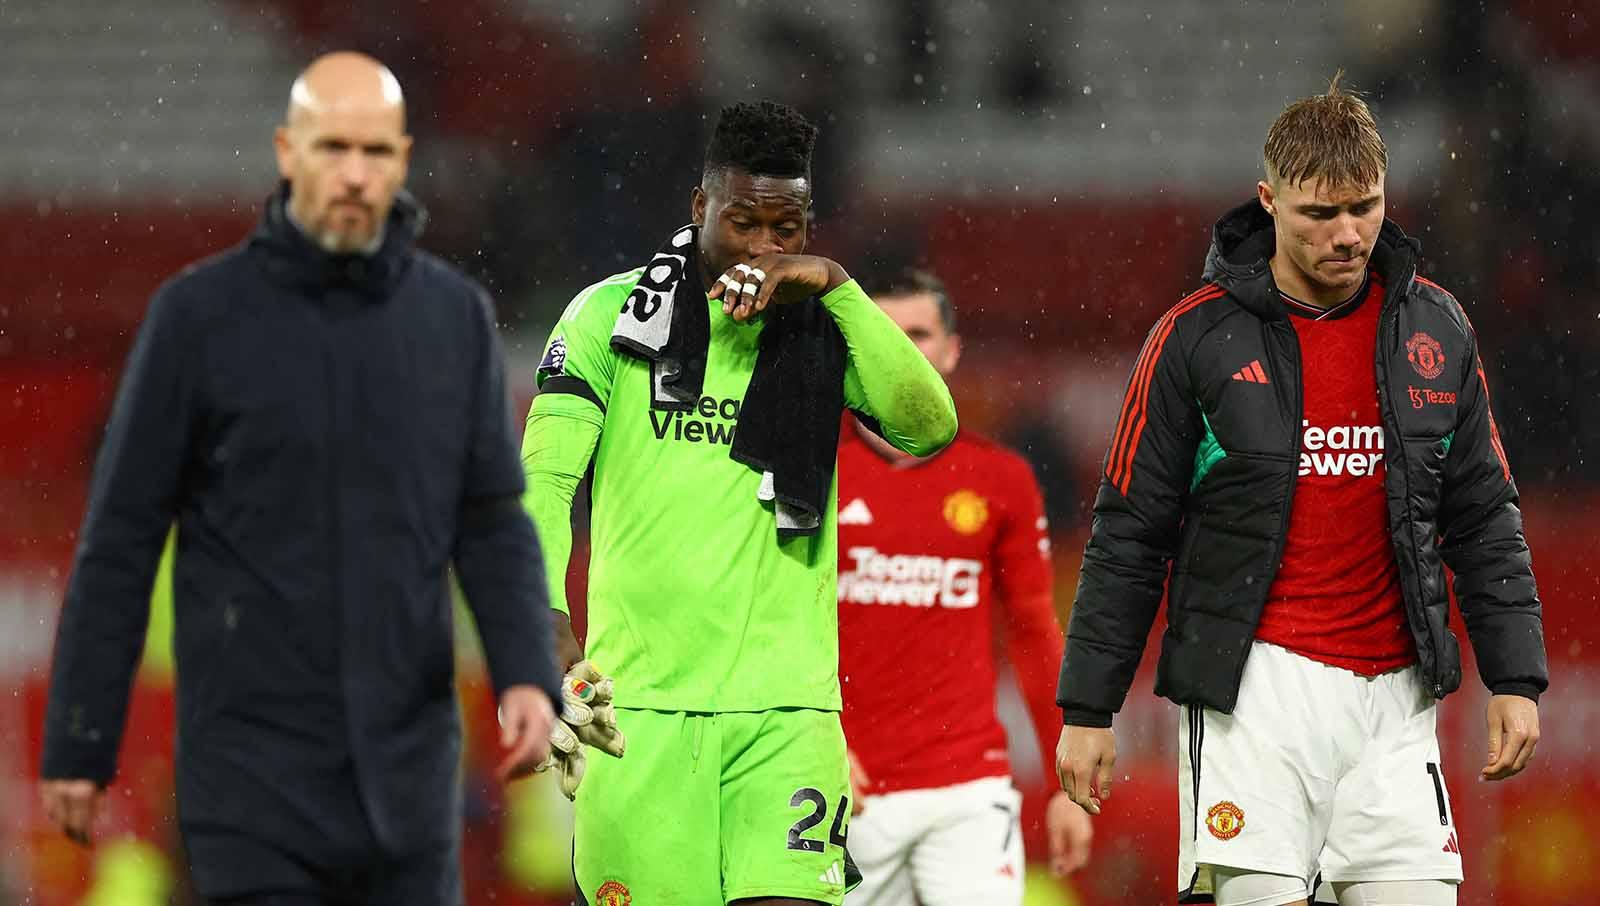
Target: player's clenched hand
x: 587, y: 718
x: 1084, y: 758
x: 1071, y: 833
x: 73, y: 806
x: 1513, y: 734
x: 525, y: 720
x: 747, y: 289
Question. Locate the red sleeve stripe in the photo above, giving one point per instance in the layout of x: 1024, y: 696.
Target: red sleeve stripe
x: 1425, y: 280
x: 1125, y: 441
x: 1494, y: 429
x: 1130, y: 426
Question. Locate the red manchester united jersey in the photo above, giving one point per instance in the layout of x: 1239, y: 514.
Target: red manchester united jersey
x: 934, y: 555
x: 1336, y: 598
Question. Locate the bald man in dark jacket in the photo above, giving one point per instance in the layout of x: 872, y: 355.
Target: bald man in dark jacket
x: 322, y: 410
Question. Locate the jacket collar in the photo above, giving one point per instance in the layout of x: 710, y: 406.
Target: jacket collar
x: 1242, y: 243
x: 292, y: 259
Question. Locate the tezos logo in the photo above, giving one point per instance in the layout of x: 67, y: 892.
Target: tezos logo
x: 1425, y: 355
x: 1422, y: 396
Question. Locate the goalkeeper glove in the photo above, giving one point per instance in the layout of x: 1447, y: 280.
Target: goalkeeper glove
x: 587, y: 717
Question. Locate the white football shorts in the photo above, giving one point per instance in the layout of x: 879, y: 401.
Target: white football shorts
x: 946, y: 846
x: 1318, y: 770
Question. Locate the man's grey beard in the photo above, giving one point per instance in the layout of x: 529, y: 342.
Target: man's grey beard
x: 336, y: 243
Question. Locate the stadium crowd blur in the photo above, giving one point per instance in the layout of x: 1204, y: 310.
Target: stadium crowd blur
x: 1058, y: 163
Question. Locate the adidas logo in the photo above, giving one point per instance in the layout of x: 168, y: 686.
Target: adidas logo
x: 1451, y: 846
x: 834, y: 875
x: 1252, y: 373
x: 856, y: 513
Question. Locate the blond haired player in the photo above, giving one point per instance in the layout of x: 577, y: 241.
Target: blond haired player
x: 1307, y: 444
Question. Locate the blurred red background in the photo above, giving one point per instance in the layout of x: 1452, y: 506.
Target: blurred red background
x: 556, y: 141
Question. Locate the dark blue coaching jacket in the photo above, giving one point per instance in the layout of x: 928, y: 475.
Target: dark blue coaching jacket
x: 329, y: 433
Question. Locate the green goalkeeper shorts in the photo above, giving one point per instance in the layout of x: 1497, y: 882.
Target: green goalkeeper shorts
x: 706, y: 809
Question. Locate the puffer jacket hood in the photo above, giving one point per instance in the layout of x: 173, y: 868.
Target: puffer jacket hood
x: 1240, y: 258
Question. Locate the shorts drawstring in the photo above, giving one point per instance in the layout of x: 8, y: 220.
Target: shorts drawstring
x: 699, y: 723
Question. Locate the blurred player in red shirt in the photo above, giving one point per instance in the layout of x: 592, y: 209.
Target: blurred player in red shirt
x: 929, y: 548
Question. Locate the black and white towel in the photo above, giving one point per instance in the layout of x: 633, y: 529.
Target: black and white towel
x: 788, y: 428
x: 666, y: 322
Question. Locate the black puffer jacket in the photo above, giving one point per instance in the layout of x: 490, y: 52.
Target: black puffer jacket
x: 1220, y: 519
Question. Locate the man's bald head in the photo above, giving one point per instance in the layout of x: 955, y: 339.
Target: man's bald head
x: 343, y: 149
x: 345, y: 79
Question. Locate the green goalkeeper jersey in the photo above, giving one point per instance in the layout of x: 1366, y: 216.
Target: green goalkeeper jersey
x: 694, y: 601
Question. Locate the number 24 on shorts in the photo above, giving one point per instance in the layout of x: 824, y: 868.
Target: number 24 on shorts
x: 812, y: 797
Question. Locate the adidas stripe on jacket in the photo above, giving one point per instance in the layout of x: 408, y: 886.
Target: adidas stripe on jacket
x: 1200, y: 482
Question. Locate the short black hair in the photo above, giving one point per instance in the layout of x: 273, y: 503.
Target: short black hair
x: 762, y: 139
x: 911, y: 281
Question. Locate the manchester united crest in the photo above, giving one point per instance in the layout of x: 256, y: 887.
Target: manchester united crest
x: 613, y: 893
x: 1225, y: 820
x: 966, y: 511
x: 1426, y: 355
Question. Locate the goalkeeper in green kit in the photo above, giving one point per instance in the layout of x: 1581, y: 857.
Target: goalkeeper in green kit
x: 707, y: 387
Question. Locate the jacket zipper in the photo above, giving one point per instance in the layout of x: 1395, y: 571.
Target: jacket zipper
x: 1398, y: 457
x: 332, y: 323
x: 1288, y: 498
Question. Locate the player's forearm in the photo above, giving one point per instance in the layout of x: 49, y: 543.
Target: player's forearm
x: 903, y: 391
x: 98, y: 643
x: 556, y: 449
x: 505, y: 590
x: 1112, y: 613
x: 132, y: 503
x: 548, y: 501
x: 103, y: 622
x: 1037, y: 677
x: 1034, y: 647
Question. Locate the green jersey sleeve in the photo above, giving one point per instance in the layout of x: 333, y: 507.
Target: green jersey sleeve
x: 575, y: 378
x: 887, y: 378
x: 556, y: 450
x: 578, y: 357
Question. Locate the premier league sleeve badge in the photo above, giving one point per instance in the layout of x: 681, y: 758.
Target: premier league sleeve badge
x: 555, y: 358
